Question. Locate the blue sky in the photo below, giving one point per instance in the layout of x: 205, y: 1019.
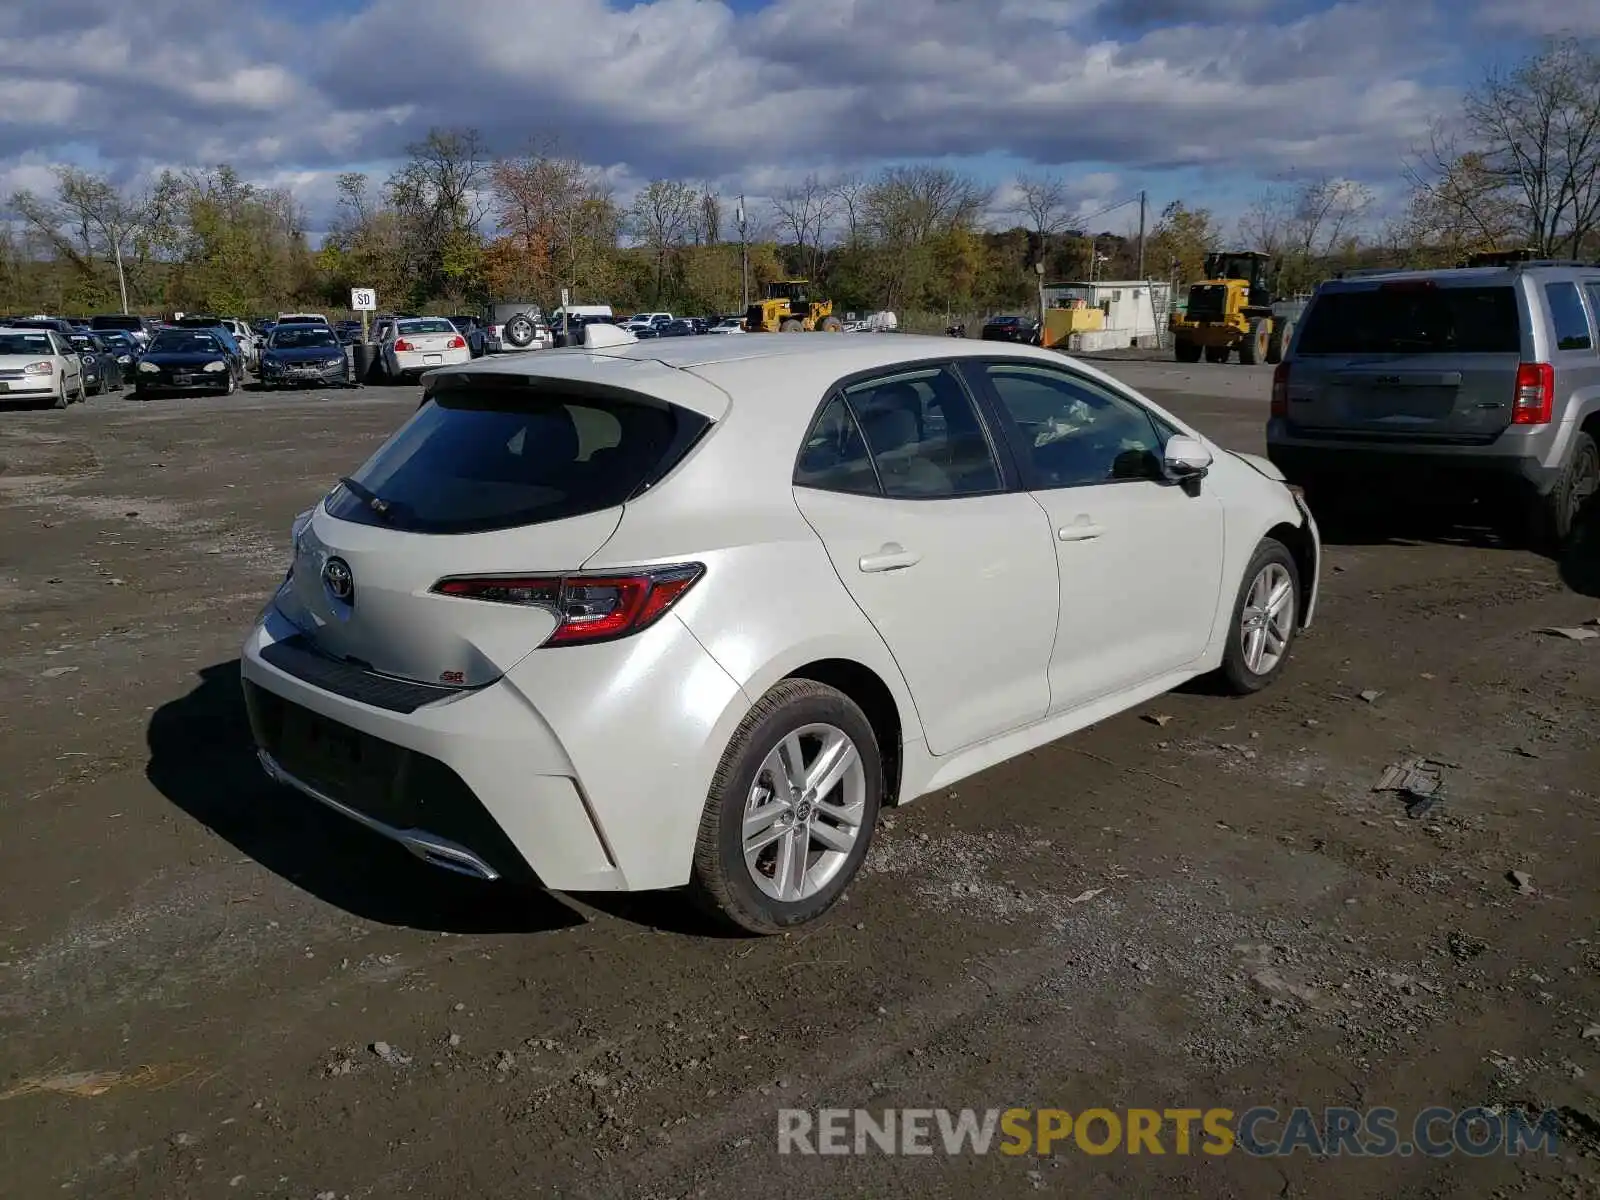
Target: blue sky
x: 1208, y: 101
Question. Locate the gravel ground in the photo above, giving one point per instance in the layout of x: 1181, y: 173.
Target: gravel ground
x: 210, y: 987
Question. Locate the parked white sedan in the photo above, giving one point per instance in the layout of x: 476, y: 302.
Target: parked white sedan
x: 688, y: 612
x: 39, y: 365
x: 412, y: 345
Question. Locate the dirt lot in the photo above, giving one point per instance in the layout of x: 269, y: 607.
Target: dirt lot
x: 1212, y: 908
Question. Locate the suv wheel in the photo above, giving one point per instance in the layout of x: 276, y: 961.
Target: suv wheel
x: 791, y: 810
x: 1555, y: 515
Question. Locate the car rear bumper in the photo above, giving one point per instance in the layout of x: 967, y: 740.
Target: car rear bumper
x: 1443, y: 470
x: 410, y: 362
x: 520, y: 778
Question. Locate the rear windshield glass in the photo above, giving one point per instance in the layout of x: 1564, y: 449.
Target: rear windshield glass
x: 1444, y: 320
x: 25, y: 343
x: 480, y: 458
x: 115, y: 322
x: 437, y: 325
x: 303, y: 337
x: 174, y: 342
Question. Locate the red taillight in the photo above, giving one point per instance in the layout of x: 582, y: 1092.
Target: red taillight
x: 590, y: 608
x: 402, y: 344
x: 1280, y: 390
x: 457, y: 343
x: 1535, y: 398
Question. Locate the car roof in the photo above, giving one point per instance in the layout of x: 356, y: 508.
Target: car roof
x: 696, y: 372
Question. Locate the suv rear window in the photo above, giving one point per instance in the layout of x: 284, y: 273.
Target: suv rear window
x: 477, y: 458
x: 1425, y: 320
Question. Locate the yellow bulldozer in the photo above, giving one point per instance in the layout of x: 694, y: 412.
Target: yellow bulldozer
x: 788, y: 309
x: 1232, y: 309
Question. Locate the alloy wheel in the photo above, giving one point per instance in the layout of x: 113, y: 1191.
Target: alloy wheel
x: 1267, y: 622
x: 804, y: 812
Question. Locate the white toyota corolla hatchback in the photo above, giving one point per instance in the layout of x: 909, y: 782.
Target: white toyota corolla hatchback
x: 687, y: 612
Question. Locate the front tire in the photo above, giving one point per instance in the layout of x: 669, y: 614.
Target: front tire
x: 1253, y: 349
x: 1266, y: 616
x: 791, y: 326
x: 791, y: 811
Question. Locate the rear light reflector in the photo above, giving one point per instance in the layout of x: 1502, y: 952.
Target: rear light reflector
x: 589, y: 608
x: 1535, y: 397
x: 457, y: 343
x: 1280, y: 390
x: 402, y: 344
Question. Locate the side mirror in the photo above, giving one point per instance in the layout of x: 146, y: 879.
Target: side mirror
x: 1185, y: 458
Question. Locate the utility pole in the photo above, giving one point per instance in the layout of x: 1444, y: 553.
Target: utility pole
x: 1141, y: 233
x: 744, y: 255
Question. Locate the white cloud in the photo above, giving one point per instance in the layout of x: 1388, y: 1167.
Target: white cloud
x: 1243, y: 88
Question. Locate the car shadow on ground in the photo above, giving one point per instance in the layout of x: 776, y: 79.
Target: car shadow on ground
x: 202, y: 759
x: 1578, y: 564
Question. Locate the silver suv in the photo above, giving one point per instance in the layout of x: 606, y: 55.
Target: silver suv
x: 1480, y: 383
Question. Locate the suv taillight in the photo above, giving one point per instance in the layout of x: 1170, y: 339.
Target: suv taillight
x: 1535, y: 398
x: 1280, y: 390
x: 589, y: 608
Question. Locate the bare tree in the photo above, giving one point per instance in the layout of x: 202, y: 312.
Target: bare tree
x: 1042, y: 200
x: 848, y: 191
x: 441, y: 197
x: 92, y: 220
x: 803, y: 212
x: 909, y: 205
x: 1537, y: 130
x: 1456, y: 204
x: 661, y: 215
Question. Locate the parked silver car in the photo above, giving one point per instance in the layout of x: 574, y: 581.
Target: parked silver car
x: 1479, y: 383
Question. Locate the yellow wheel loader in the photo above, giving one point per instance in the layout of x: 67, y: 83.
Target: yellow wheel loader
x: 1230, y: 310
x: 787, y: 309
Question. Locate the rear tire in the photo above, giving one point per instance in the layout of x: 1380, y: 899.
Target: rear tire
x: 831, y: 325
x: 1282, y: 332
x: 1554, y: 517
x: 1254, y: 347
x: 1216, y: 354
x: 1186, y: 352
x: 1265, y: 620
x: 791, y: 326
x: 755, y: 777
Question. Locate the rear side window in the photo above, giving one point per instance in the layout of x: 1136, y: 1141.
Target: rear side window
x: 481, y: 458
x: 1407, y: 320
x: 1567, y: 316
x: 835, y: 456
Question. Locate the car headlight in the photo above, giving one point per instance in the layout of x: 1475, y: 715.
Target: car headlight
x: 150, y: 367
x: 216, y: 366
x: 124, y: 359
x: 39, y: 368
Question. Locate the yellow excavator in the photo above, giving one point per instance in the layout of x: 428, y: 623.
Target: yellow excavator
x: 788, y: 309
x: 1232, y: 309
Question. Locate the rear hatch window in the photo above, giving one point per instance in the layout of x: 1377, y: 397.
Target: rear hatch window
x: 1413, y: 319
x: 480, y: 457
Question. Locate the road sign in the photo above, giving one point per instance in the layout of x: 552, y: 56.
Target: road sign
x: 363, y: 300
x: 566, y: 297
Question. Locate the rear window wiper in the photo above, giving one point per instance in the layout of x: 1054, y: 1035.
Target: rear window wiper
x: 366, y: 495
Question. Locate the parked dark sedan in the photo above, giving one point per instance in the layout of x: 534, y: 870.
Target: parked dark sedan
x: 124, y: 346
x: 98, y: 363
x: 187, y: 360
x: 1011, y: 329
x: 678, y: 328
x: 298, y: 355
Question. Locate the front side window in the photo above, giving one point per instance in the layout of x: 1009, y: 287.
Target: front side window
x: 1567, y: 315
x: 924, y: 435
x: 1074, y: 433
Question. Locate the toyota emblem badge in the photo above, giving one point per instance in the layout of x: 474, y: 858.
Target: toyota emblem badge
x: 336, y: 574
